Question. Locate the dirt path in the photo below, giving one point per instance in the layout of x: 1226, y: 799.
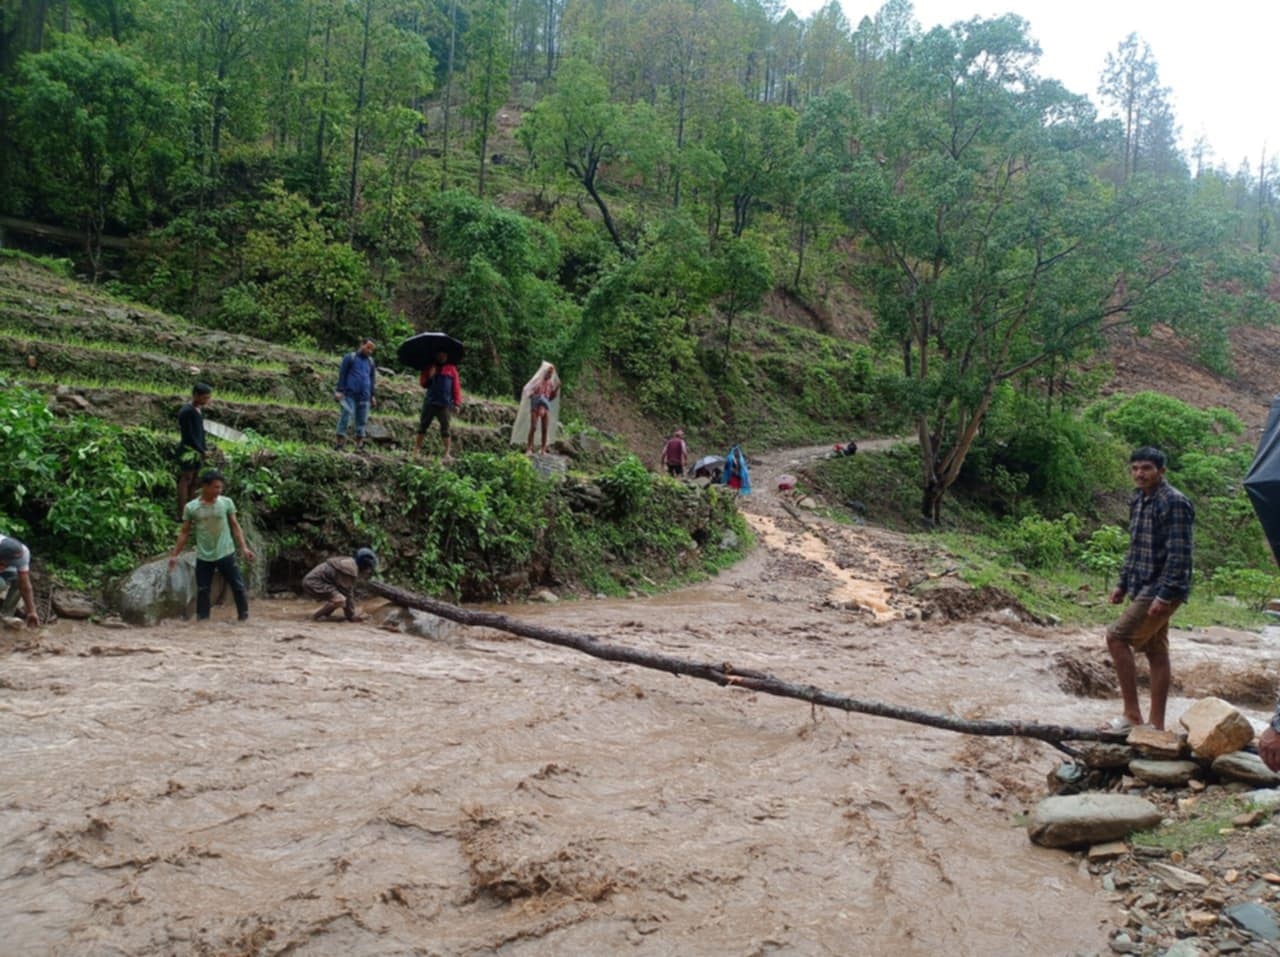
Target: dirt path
x: 303, y: 789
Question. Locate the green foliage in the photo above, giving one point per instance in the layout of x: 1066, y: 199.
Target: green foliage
x: 1251, y: 586
x: 57, y: 266
x: 495, y: 290
x: 1055, y: 460
x: 300, y: 285
x: 473, y: 523
x: 628, y: 485
x: 83, y: 493
x: 1104, y: 553
x: 106, y: 156
x: 1171, y: 425
x: 1039, y: 542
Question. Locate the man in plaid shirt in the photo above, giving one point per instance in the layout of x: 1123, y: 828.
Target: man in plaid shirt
x: 1157, y: 578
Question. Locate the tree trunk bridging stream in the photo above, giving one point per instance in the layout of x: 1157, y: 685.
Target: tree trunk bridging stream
x: 726, y: 675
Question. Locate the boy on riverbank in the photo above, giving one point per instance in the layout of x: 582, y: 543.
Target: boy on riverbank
x: 213, y: 516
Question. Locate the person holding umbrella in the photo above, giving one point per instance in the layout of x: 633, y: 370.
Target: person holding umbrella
x: 442, y: 398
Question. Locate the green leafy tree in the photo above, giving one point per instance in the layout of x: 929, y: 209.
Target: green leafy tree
x: 1131, y: 84
x: 108, y: 147
x: 742, y: 277
x: 990, y: 245
x: 757, y: 148
x: 579, y: 131
x: 488, y: 75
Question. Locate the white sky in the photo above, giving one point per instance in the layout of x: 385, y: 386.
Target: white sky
x: 1218, y: 59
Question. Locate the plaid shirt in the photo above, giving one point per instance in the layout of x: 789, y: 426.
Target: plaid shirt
x: 1159, y: 561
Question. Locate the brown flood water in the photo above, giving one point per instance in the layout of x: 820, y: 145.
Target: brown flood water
x: 296, y: 788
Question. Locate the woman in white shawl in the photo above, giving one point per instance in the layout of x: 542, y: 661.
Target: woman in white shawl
x: 539, y: 403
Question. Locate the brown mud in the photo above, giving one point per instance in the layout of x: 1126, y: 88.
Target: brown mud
x: 290, y: 787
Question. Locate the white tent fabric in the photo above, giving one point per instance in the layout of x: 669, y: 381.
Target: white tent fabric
x: 520, y: 431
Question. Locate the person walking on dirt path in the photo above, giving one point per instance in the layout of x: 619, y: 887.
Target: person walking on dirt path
x: 213, y: 516
x: 192, y: 450
x: 675, y: 454
x: 442, y: 398
x: 357, y: 385
x: 1156, y: 576
x: 540, y: 393
x: 15, y: 572
x: 333, y: 581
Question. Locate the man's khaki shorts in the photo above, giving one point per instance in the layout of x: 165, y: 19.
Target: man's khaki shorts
x: 1140, y: 631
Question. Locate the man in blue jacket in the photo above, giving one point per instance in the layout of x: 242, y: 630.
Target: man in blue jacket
x: 357, y: 381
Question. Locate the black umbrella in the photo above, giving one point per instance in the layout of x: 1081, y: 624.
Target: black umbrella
x: 708, y: 462
x: 421, y: 350
x: 1263, y: 480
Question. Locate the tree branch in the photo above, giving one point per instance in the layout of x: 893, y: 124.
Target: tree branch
x: 726, y: 675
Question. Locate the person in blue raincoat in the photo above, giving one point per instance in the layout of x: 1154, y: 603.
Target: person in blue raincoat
x: 736, y: 475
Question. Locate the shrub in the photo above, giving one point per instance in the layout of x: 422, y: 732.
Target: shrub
x: 1251, y: 586
x: 1104, y: 553
x: 1040, y: 542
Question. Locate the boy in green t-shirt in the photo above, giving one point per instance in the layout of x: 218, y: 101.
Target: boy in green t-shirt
x: 213, y: 516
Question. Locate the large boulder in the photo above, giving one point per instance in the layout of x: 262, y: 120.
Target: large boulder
x: 1083, y: 819
x: 153, y: 593
x: 1214, y: 728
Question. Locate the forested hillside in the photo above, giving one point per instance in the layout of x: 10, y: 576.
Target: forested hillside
x: 626, y: 186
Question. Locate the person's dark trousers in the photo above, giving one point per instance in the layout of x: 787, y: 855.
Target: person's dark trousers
x: 231, y: 575
x: 188, y: 488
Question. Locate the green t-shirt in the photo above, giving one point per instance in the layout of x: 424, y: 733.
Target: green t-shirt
x: 212, y: 526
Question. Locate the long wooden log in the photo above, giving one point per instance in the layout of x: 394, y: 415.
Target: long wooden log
x: 727, y: 675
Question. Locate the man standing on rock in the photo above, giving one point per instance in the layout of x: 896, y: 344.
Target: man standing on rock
x: 213, y: 516
x: 192, y: 450
x: 15, y: 571
x: 1156, y: 576
x: 357, y: 382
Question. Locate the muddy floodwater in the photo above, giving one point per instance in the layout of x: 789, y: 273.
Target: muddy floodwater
x: 287, y: 787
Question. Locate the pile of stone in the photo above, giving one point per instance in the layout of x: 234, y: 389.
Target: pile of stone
x: 1171, y: 902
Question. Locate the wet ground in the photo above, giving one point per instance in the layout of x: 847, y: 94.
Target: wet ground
x: 287, y: 787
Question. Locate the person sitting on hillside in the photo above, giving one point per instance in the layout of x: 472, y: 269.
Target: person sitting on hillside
x: 333, y: 581
x: 15, y: 572
x: 442, y: 398
x: 539, y: 403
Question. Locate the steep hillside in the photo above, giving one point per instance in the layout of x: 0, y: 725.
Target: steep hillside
x: 486, y: 527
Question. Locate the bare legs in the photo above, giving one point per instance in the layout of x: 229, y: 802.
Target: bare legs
x: 540, y: 416
x: 1127, y: 675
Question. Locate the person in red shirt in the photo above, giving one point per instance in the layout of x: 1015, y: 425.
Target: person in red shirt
x: 675, y: 454
x: 442, y: 398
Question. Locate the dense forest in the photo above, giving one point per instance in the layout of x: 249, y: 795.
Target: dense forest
x: 625, y: 182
